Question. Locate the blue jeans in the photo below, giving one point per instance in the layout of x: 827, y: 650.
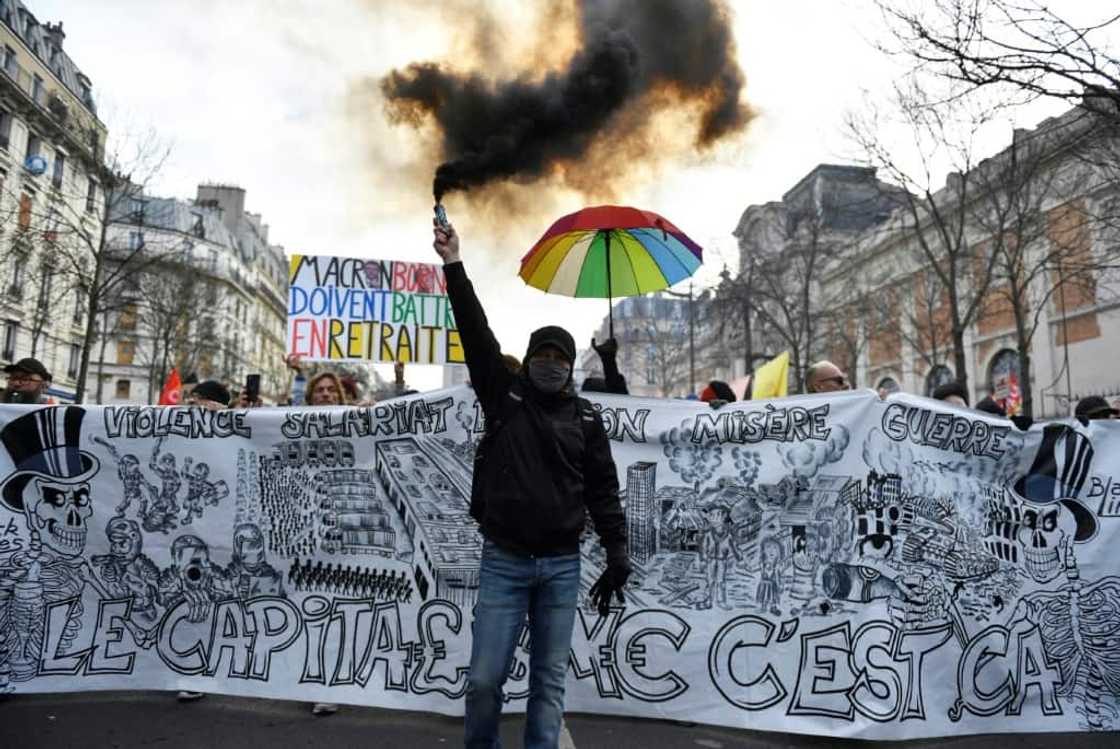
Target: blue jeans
x: 509, y: 587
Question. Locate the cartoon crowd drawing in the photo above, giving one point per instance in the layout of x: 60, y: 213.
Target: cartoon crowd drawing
x: 793, y: 532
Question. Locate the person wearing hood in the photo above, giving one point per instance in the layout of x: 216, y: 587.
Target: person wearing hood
x: 543, y: 465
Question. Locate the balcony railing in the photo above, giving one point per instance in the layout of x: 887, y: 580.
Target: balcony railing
x: 59, y: 114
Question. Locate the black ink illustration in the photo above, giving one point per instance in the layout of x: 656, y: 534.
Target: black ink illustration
x: 50, y: 489
x: 200, y: 490
x: 126, y: 570
x: 132, y: 478
x: 194, y: 578
x: 834, y: 565
x: 159, y: 514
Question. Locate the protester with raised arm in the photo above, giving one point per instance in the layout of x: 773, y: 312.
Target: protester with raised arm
x: 543, y: 464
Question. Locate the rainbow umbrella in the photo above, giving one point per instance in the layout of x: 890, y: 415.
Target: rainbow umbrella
x: 610, y: 251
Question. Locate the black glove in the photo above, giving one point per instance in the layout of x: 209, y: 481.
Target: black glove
x: 610, y: 584
x: 607, y: 348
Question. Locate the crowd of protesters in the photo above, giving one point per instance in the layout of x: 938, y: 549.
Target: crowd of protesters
x: 543, y: 447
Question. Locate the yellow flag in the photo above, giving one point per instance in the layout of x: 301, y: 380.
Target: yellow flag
x: 771, y: 380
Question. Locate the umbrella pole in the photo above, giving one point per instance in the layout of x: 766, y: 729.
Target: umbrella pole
x: 610, y: 304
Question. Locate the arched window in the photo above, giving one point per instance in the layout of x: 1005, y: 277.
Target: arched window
x: 937, y: 377
x: 1003, y: 381
x: 888, y: 384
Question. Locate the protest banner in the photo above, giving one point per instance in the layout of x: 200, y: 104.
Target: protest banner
x: 837, y: 565
x: 354, y: 309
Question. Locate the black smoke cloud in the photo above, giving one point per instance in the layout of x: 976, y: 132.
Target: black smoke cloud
x: 681, y: 50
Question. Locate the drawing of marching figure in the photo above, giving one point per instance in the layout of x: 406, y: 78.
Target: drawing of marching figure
x: 769, y: 591
x: 200, y: 489
x: 132, y: 478
x: 193, y: 578
x: 161, y: 514
x: 249, y: 572
x: 128, y: 572
x: 717, y: 547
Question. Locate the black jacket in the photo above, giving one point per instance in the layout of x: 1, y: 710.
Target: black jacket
x: 543, y: 470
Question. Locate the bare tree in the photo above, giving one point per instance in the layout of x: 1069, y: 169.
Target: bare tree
x: 1012, y: 46
x: 172, y: 325
x: 1041, y: 239
x: 934, y: 222
x: 659, y: 352
x: 74, y: 226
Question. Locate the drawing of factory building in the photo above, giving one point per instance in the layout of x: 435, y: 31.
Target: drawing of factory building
x: 641, y: 521
x: 352, y: 515
x: 430, y: 489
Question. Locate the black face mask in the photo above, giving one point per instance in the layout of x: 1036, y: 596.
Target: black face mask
x: 549, y: 376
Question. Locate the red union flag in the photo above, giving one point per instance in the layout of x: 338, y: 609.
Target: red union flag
x: 169, y: 396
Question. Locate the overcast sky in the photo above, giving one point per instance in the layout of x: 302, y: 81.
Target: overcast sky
x: 260, y: 93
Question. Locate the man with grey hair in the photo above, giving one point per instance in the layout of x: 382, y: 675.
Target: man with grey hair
x: 825, y: 377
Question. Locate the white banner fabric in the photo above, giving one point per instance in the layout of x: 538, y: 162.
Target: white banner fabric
x: 837, y: 565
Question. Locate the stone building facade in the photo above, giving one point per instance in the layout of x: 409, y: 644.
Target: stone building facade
x: 51, y: 152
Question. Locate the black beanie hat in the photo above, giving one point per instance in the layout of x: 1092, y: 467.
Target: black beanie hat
x: 552, y: 335
x: 212, y: 390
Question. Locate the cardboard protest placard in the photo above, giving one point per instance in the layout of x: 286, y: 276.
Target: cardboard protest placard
x: 356, y: 309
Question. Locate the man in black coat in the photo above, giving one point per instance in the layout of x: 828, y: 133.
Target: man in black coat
x: 544, y: 463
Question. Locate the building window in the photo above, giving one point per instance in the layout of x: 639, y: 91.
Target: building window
x: 213, y: 261
x: 199, y: 229
x: 74, y: 360
x: 34, y: 145
x: 79, y: 306
x: 126, y: 351
x: 59, y: 169
x: 15, y: 291
x: 136, y: 209
x: 37, y: 89
x: 91, y: 195
x: 5, y: 128
x: 135, y: 240
x: 10, y: 65
x: 11, y: 337
x: 24, y: 219
x: 938, y: 376
x: 46, y: 277
x: 124, y: 389
x: 127, y: 319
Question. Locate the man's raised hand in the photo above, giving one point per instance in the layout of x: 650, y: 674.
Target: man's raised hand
x: 446, y: 242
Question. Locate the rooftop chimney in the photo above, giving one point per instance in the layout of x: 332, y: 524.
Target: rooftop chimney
x: 55, y: 34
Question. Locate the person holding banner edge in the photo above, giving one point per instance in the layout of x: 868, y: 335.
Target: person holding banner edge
x: 543, y: 464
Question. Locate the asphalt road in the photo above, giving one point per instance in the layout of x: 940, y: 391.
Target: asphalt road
x: 141, y: 719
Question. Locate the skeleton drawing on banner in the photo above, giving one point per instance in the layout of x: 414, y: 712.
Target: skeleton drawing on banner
x: 717, y: 548
x: 1047, y: 501
x: 193, y: 577
x: 132, y: 477
x: 50, y: 489
x: 160, y: 515
x: 1080, y: 628
x: 249, y: 572
x: 126, y: 571
x: 1079, y: 622
x: 200, y: 489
